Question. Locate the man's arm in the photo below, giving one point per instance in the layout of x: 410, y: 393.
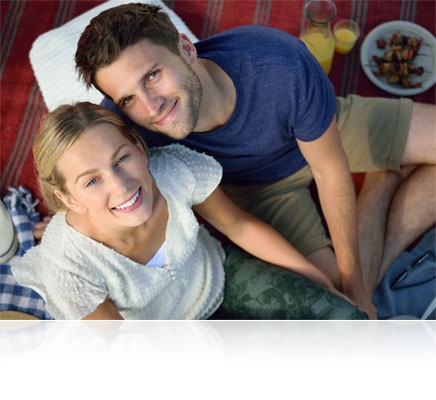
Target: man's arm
x: 329, y: 165
x: 258, y: 238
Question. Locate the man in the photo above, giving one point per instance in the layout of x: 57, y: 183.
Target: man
x: 255, y: 99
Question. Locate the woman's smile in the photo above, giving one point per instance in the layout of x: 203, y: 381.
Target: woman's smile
x: 132, y: 204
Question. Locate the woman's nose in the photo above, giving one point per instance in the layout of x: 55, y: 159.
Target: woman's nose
x: 118, y: 181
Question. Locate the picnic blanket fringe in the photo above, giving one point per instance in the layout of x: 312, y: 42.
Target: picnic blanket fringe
x: 14, y: 297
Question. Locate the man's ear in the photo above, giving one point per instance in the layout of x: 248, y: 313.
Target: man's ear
x: 70, y: 202
x: 187, y: 50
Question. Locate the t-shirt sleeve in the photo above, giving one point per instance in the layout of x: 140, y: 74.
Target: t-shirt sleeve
x: 197, y: 172
x: 206, y: 170
x: 67, y: 294
x: 314, y: 99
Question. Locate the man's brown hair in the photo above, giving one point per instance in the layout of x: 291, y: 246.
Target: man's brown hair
x: 113, y: 30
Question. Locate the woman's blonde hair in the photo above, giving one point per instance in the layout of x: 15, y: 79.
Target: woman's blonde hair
x: 58, y: 131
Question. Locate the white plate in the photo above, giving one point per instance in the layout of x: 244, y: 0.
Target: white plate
x: 426, y: 57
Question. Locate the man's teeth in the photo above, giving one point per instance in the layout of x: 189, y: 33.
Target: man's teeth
x: 128, y: 203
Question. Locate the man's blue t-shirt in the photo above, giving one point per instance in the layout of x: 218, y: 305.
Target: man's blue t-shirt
x: 282, y: 93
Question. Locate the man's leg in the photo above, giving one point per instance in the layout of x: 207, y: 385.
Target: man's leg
x: 288, y: 207
x: 396, y: 207
x: 373, y: 208
x: 394, y: 136
x: 392, y: 213
x: 413, y: 211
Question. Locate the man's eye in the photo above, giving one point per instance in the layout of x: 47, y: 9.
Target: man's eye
x: 151, y: 76
x: 125, y: 102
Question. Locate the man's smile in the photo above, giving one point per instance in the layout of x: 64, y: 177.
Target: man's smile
x: 167, y: 115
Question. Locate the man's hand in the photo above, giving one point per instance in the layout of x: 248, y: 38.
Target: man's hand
x: 359, y: 297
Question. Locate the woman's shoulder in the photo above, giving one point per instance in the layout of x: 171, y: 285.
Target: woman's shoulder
x: 178, y: 152
x: 183, y: 172
x: 179, y: 161
x: 57, y: 231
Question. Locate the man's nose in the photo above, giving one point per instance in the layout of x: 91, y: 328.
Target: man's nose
x: 150, y: 102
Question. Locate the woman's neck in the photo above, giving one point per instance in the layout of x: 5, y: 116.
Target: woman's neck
x: 138, y: 243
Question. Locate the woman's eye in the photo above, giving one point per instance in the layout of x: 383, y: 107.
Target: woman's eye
x: 122, y: 159
x: 91, y: 182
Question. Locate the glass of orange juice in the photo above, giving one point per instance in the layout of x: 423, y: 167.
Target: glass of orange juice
x: 322, y: 47
x: 346, y: 33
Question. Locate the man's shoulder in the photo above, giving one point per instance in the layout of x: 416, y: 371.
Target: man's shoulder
x: 249, y: 33
x: 259, y: 44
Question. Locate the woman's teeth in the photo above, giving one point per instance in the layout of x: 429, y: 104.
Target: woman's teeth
x: 128, y: 203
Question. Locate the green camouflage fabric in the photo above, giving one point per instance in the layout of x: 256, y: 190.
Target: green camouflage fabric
x: 255, y: 289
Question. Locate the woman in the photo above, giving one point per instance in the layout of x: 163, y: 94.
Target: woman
x: 124, y: 242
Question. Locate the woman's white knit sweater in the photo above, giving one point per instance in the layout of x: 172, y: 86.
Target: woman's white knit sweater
x: 74, y: 273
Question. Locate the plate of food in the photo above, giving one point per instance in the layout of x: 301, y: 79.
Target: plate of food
x: 400, y: 58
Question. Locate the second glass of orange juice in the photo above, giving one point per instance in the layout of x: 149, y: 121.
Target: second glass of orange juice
x: 346, y: 33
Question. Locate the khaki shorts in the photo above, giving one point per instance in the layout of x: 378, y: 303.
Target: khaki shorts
x: 374, y: 133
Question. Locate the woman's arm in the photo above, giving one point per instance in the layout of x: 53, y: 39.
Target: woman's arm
x: 257, y: 238
x: 105, y: 310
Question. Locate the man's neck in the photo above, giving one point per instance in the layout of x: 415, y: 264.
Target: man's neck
x: 219, y: 96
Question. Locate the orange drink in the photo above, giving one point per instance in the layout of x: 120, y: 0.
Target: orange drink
x: 345, y: 39
x: 321, y: 47
x: 346, y: 33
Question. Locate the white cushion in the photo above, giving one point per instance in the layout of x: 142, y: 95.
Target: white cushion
x: 52, y: 57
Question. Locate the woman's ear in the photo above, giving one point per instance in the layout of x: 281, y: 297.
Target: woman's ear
x: 70, y: 202
x: 187, y: 50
